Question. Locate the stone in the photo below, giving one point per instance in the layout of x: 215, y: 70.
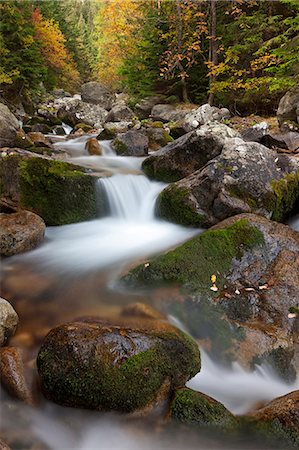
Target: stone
x: 8, y: 321
x: 255, y: 133
x: 43, y: 128
x: 131, y: 143
x: 23, y: 140
x: 158, y: 137
x: 169, y: 113
x: 288, y: 141
x: 13, y: 374
x: 76, y: 111
x: 188, y: 153
x: 57, y: 191
x: 245, y: 177
x: 256, y: 263
x: 97, y: 94
x: 144, y: 107
x: 8, y: 127
x: 93, y: 147
x: 203, y: 115
x: 278, y: 419
x: 120, y: 113
x: 20, y: 232
x: 287, y: 108
x: 141, y: 310
x: 39, y: 139
x: 195, y: 408
x: 4, y: 446
x: 118, y: 365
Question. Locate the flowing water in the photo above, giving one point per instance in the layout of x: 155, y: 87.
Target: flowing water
x: 73, y: 273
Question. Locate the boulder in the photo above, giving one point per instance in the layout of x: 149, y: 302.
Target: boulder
x: 23, y: 140
x: 247, y: 313
x: 20, y: 232
x: 13, y: 374
x: 288, y: 141
x: 255, y: 133
x: 8, y: 127
x: 97, y: 94
x: 204, y: 114
x: 120, y: 113
x: 76, y: 111
x: 278, y: 419
x: 245, y: 177
x: 158, y: 137
x: 198, y: 409
x: 287, y: 109
x: 39, y: 140
x: 188, y: 153
x: 57, y: 191
x: 8, y: 321
x: 111, y: 129
x: 144, y: 107
x: 169, y: 113
x: 131, y: 143
x: 121, y: 365
x: 93, y: 147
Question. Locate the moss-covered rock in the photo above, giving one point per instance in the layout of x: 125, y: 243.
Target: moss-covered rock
x: 195, y: 408
x: 131, y: 143
x: 115, y: 365
x: 57, y: 191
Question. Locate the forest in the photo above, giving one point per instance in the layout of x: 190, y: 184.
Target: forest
x: 241, y: 54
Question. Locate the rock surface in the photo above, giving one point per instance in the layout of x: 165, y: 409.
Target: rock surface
x: 256, y: 262
x: 75, y: 111
x: 144, y: 107
x: 20, y: 232
x: 245, y: 177
x: 115, y: 365
x: 131, y: 143
x: 188, y: 153
x: 93, y: 147
x: 97, y: 94
x: 203, y: 115
x: 120, y: 113
x: 287, y: 109
x: 8, y: 127
x: 169, y: 113
x: 8, y: 320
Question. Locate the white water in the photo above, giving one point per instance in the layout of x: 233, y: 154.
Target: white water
x: 129, y: 233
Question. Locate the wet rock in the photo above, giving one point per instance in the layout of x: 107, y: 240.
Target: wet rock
x: 204, y: 114
x: 97, y: 94
x: 8, y: 321
x: 141, y: 310
x: 13, y: 374
x: 120, y: 113
x: 245, y: 177
x: 144, y: 107
x: 8, y: 127
x: 195, y: 408
x: 287, y: 109
x: 39, y: 139
x: 20, y: 232
x: 57, y: 191
x: 256, y: 263
x: 279, y: 419
x: 115, y: 365
x: 188, y: 153
x: 93, y: 147
x: 131, y: 143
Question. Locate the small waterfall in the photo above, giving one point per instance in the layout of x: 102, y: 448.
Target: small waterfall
x: 131, y: 197
x: 67, y: 128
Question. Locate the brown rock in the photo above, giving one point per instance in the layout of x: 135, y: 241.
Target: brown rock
x: 4, y: 446
x: 8, y: 320
x: 39, y: 139
x: 94, y: 147
x: 20, y: 232
x: 141, y: 310
x: 13, y: 374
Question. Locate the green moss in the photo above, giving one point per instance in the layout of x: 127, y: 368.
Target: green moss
x: 120, y: 147
x: 123, y: 386
x: 167, y: 137
x: 194, y: 408
x: 173, y: 205
x: 157, y: 124
x: 193, y: 263
x: 236, y: 191
x: 57, y: 191
x: 286, y: 193
x: 107, y: 135
x: 294, y: 310
x: 159, y: 172
x: 83, y: 126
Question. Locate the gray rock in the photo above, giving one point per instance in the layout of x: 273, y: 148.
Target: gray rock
x: 168, y: 113
x: 120, y: 113
x: 144, y: 107
x: 288, y: 141
x: 131, y: 143
x: 255, y: 133
x: 97, y: 94
x: 245, y: 177
x: 20, y: 232
x: 8, y: 320
x: 76, y: 111
x: 288, y: 108
x: 204, y: 114
x: 188, y: 153
x: 8, y: 127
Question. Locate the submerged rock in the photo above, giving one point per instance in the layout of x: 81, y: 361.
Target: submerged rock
x: 198, y: 409
x: 57, y: 191
x: 131, y: 143
x: 8, y: 321
x: 20, y: 232
x: 245, y: 177
x: 122, y: 365
x: 93, y: 147
x: 188, y: 153
x: 256, y: 264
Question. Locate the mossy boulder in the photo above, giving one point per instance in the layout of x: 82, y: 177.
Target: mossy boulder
x: 256, y: 263
x: 198, y: 409
x: 131, y: 143
x: 279, y: 420
x: 245, y: 178
x: 59, y: 192
x: 122, y: 365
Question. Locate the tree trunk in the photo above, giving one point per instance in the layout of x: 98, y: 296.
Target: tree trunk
x: 213, y: 56
x: 179, y: 43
